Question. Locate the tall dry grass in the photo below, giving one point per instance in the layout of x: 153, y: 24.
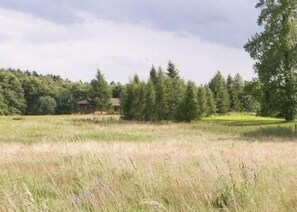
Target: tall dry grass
x: 167, y: 176
x: 169, y: 167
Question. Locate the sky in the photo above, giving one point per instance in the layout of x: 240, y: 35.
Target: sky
x: 73, y: 38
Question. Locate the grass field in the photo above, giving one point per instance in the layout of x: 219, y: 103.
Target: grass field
x: 83, y: 163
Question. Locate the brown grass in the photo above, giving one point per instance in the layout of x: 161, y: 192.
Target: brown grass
x: 182, y: 168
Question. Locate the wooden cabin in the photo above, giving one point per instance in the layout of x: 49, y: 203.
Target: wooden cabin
x: 84, y: 107
x: 116, y: 105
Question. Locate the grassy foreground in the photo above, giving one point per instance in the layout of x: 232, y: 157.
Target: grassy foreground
x: 83, y: 163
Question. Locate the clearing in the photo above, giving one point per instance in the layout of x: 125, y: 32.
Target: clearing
x: 89, y: 163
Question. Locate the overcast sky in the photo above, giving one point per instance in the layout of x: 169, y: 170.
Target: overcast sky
x: 73, y: 38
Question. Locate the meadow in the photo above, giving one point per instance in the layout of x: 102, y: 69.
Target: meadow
x: 92, y: 163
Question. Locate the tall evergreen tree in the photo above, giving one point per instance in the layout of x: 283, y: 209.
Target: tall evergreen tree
x: 175, y: 91
x: 100, y: 92
x: 150, y: 104
x: 222, y: 101
x: 275, y: 52
x: 140, y: 103
x: 252, y: 96
x: 218, y: 86
x: 161, y: 97
x: 189, y: 104
x: 154, y: 75
x: 128, y: 100
x: 201, y: 101
x: 210, y: 103
x: 230, y: 91
x: 237, y: 93
x: 172, y: 71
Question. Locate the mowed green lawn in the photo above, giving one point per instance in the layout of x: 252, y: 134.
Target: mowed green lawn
x: 92, y: 163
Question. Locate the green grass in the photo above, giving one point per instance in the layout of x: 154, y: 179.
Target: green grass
x: 250, y: 126
x: 242, y: 120
x: 86, y: 163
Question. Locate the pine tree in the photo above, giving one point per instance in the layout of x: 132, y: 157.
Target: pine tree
x: 150, y: 104
x: 237, y: 93
x: 201, y: 101
x: 222, y: 101
x: 218, y: 86
x: 153, y: 75
x: 210, y: 102
x: 172, y: 71
x: 230, y: 91
x: 252, y: 96
x: 140, y: 101
x: 175, y: 90
x: 190, y: 105
x: 128, y: 100
x: 161, y: 97
x: 100, y: 92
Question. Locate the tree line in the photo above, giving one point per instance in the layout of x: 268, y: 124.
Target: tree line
x: 166, y: 96
x: 29, y: 93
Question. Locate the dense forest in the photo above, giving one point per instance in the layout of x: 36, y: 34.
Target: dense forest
x: 164, y: 96
x: 29, y: 93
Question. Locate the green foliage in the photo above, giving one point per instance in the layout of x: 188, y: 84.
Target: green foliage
x: 210, y: 103
x: 46, y: 105
x: 100, y: 92
x: 161, y: 97
x: 172, y: 71
x: 12, y: 92
x: 128, y: 100
x: 138, y: 108
x: 218, y: 86
x: 116, y: 89
x: 154, y: 75
x: 189, y: 106
x: 166, y: 98
x: 252, y: 96
x: 230, y: 90
x: 65, y: 101
x: 175, y: 91
x: 275, y: 52
x: 150, y: 103
x: 80, y: 91
x: 202, y: 101
x: 237, y: 93
x: 3, y: 105
x: 134, y: 100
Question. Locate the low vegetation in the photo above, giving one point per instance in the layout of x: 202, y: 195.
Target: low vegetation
x: 94, y: 163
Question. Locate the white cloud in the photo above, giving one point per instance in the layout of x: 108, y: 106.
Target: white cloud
x: 118, y: 49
